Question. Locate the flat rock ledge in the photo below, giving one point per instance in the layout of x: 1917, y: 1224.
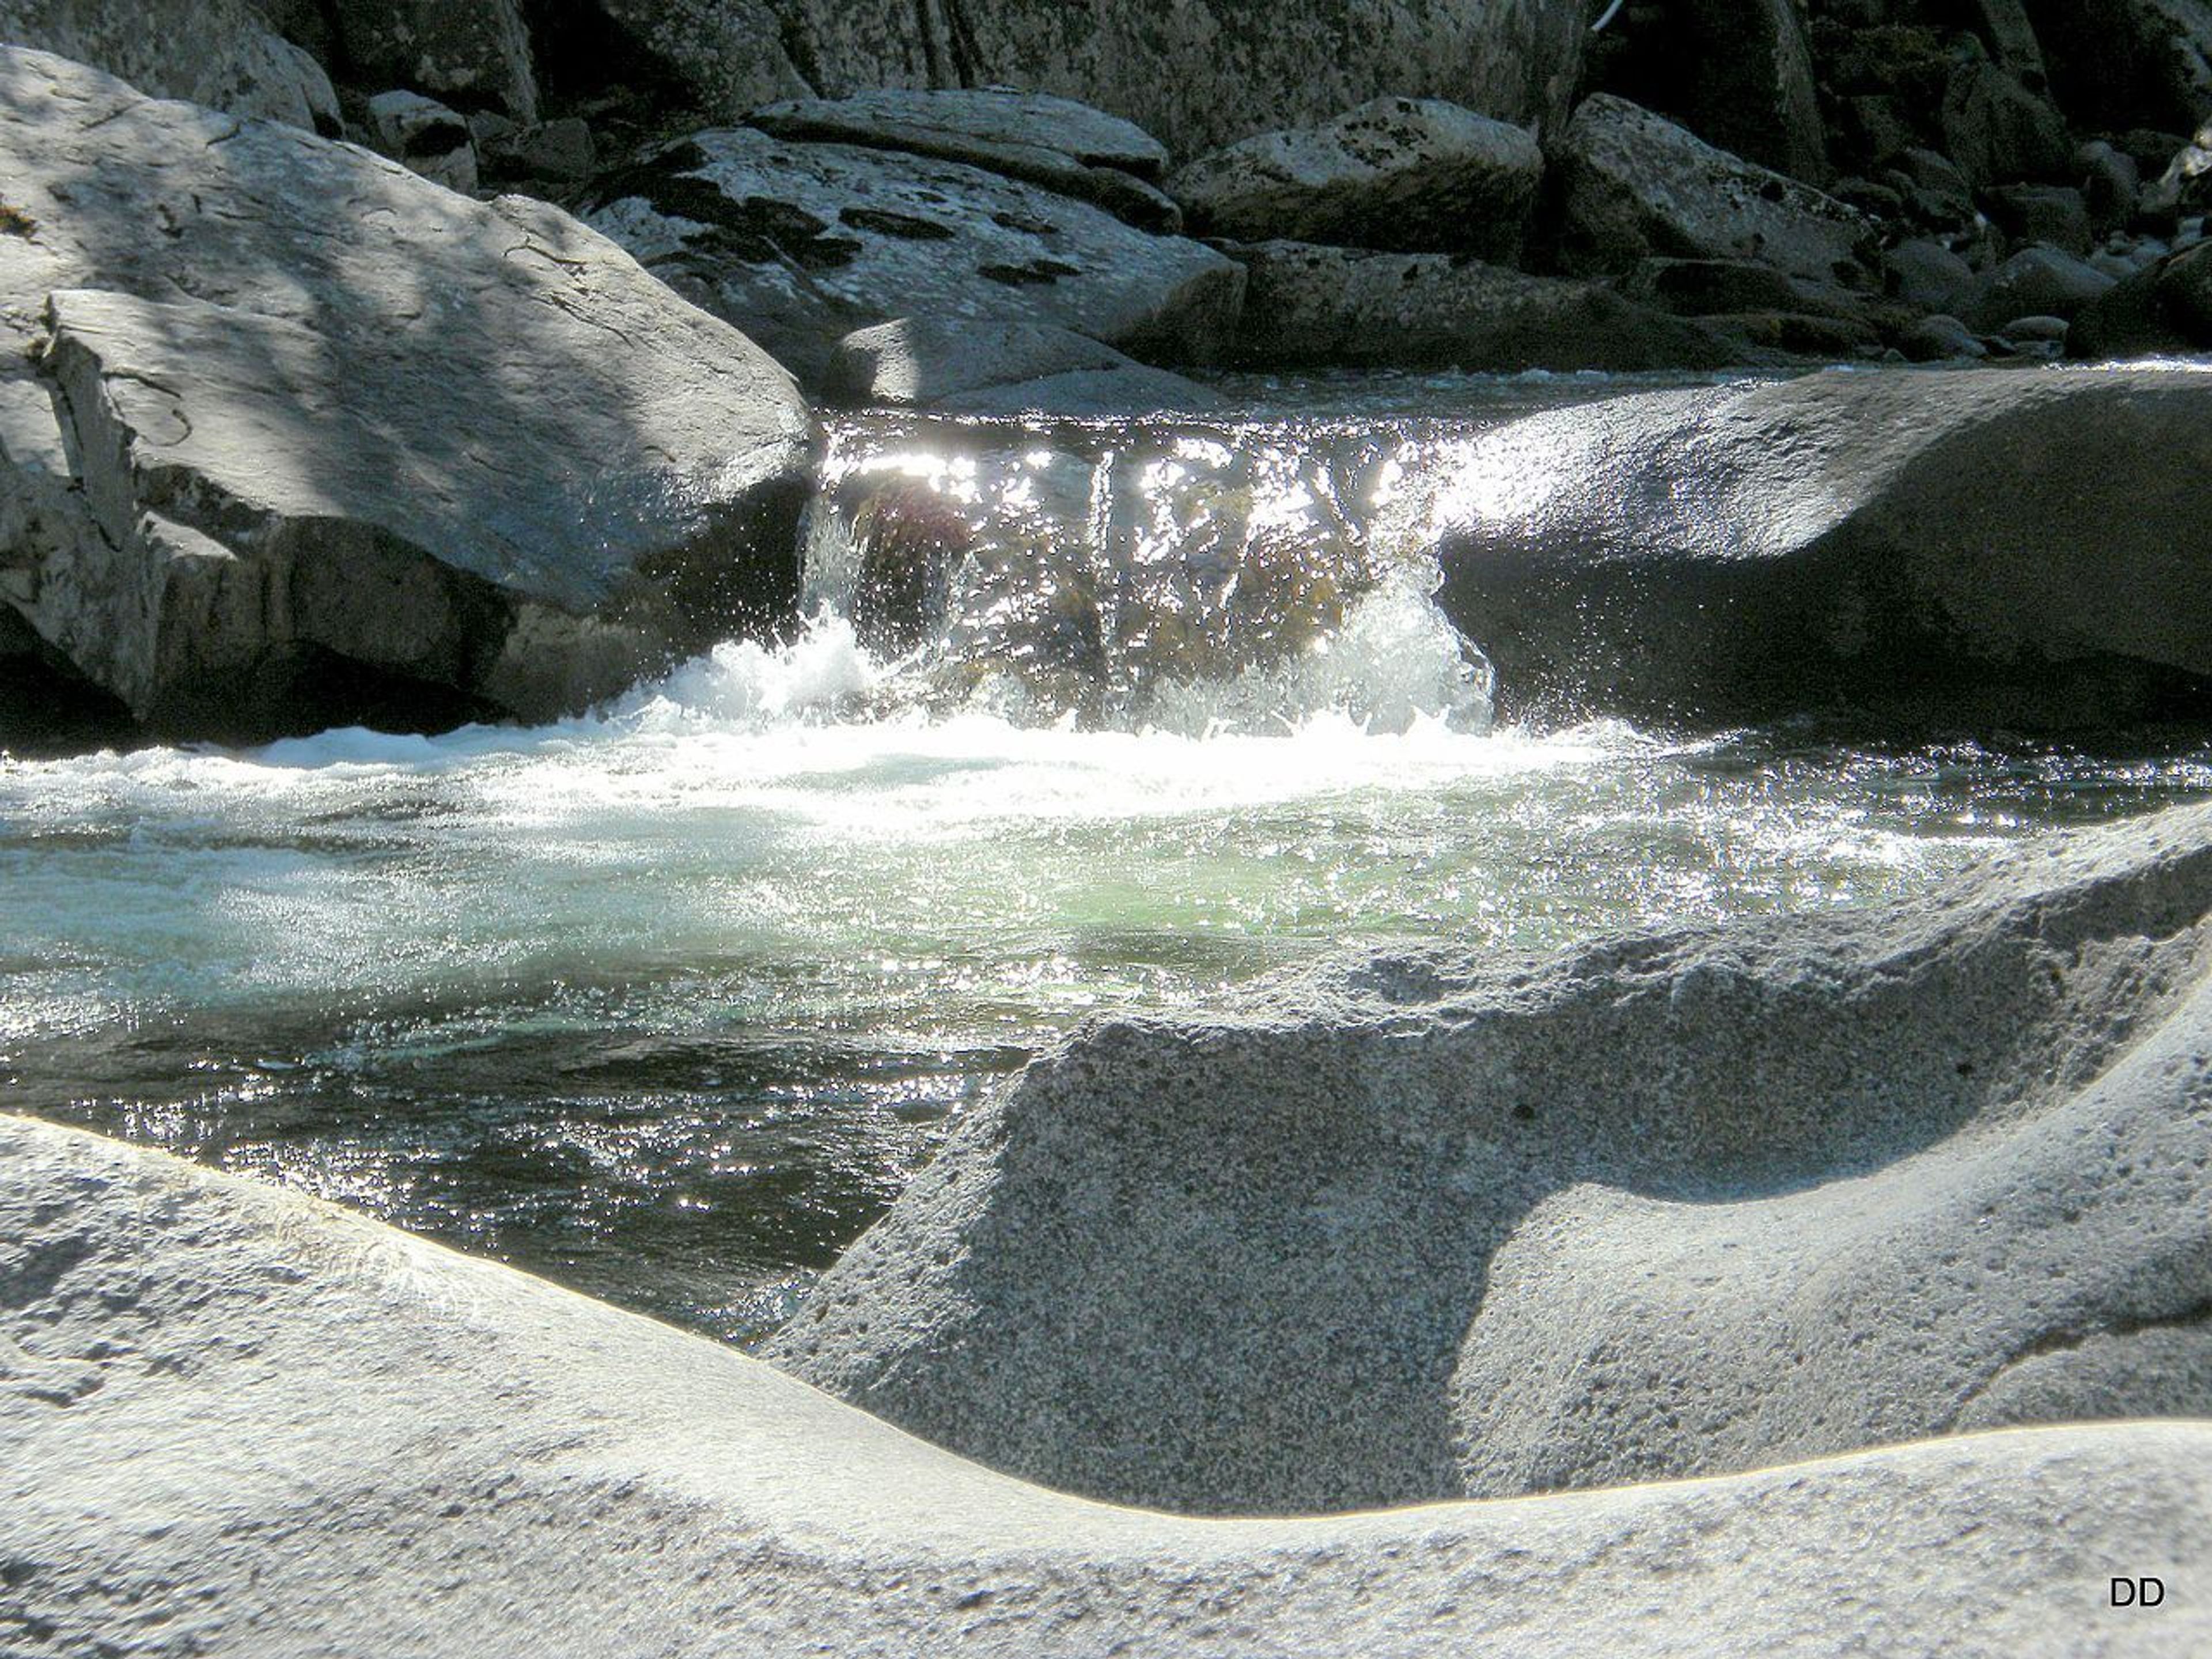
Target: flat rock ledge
x: 1422, y: 1226
x: 240, y: 1420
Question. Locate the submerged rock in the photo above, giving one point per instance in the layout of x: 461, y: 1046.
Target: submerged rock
x: 1632, y: 185
x: 1976, y: 548
x: 1306, y: 305
x: 1419, y: 1225
x: 1066, y: 147
x: 221, y: 1400
x: 799, y: 244
x: 1400, y: 173
x: 316, y: 441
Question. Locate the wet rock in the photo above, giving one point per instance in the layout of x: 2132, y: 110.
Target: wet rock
x: 2164, y: 308
x: 1064, y: 146
x: 190, y: 1359
x: 1422, y: 1224
x: 1632, y: 185
x: 1403, y: 174
x: 2037, y: 281
x: 221, y: 54
x: 1939, y: 336
x: 2119, y: 64
x: 303, y: 401
x: 2056, y: 216
x: 1196, y: 73
x: 1922, y: 272
x: 800, y: 244
x: 472, y: 52
x: 1965, y: 548
x: 1311, y: 305
x: 1120, y: 392
x: 424, y: 137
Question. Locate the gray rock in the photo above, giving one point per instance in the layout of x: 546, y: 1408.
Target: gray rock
x: 2186, y: 187
x: 1311, y: 305
x: 475, y: 52
x: 425, y: 137
x: 2036, y: 281
x: 1703, y: 287
x: 2055, y: 214
x: 2164, y: 308
x: 561, y: 151
x: 221, y: 54
x: 1973, y: 547
x: 1065, y: 146
x: 1196, y: 73
x: 2121, y: 63
x: 1998, y: 131
x: 2111, y: 184
x: 1631, y: 183
x: 919, y: 361
x: 1410, y: 175
x: 1922, y: 272
x: 2043, y: 330
x: 1934, y: 338
x: 333, y: 443
x: 1122, y: 392
x: 1419, y: 1224
x: 221, y: 1400
x: 800, y: 244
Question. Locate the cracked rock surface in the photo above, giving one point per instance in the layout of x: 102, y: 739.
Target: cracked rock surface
x: 801, y: 244
x: 1697, y: 1201
x: 238, y: 1420
x: 290, y: 437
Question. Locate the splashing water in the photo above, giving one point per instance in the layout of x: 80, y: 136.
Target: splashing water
x: 669, y: 1000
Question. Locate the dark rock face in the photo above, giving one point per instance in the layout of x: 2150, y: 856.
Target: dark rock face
x: 1738, y: 73
x: 1632, y: 185
x: 1311, y: 305
x: 1418, y: 1225
x: 800, y: 244
x: 2121, y: 63
x: 1402, y: 174
x: 1196, y: 75
x: 1968, y: 539
x: 472, y: 53
x: 314, y: 440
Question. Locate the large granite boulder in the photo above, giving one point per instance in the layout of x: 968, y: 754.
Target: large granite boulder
x: 799, y: 244
x: 1422, y: 1224
x: 1062, y: 145
x: 1412, y: 175
x: 1631, y: 183
x: 474, y: 53
x: 240, y: 1420
x: 1196, y: 73
x: 1973, y: 547
x: 1307, y: 306
x: 2036, y: 281
x: 312, y: 440
x: 221, y: 54
x: 2123, y: 64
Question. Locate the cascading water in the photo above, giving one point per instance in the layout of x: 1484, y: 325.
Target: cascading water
x: 668, y: 1000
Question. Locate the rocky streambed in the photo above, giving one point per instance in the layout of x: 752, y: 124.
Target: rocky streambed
x: 1279, y: 787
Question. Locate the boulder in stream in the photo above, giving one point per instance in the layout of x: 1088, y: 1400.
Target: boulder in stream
x: 1974, y: 548
x: 1422, y: 1224
x: 311, y: 440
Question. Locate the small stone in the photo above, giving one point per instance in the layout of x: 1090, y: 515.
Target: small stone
x: 424, y: 137
x: 1933, y: 339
